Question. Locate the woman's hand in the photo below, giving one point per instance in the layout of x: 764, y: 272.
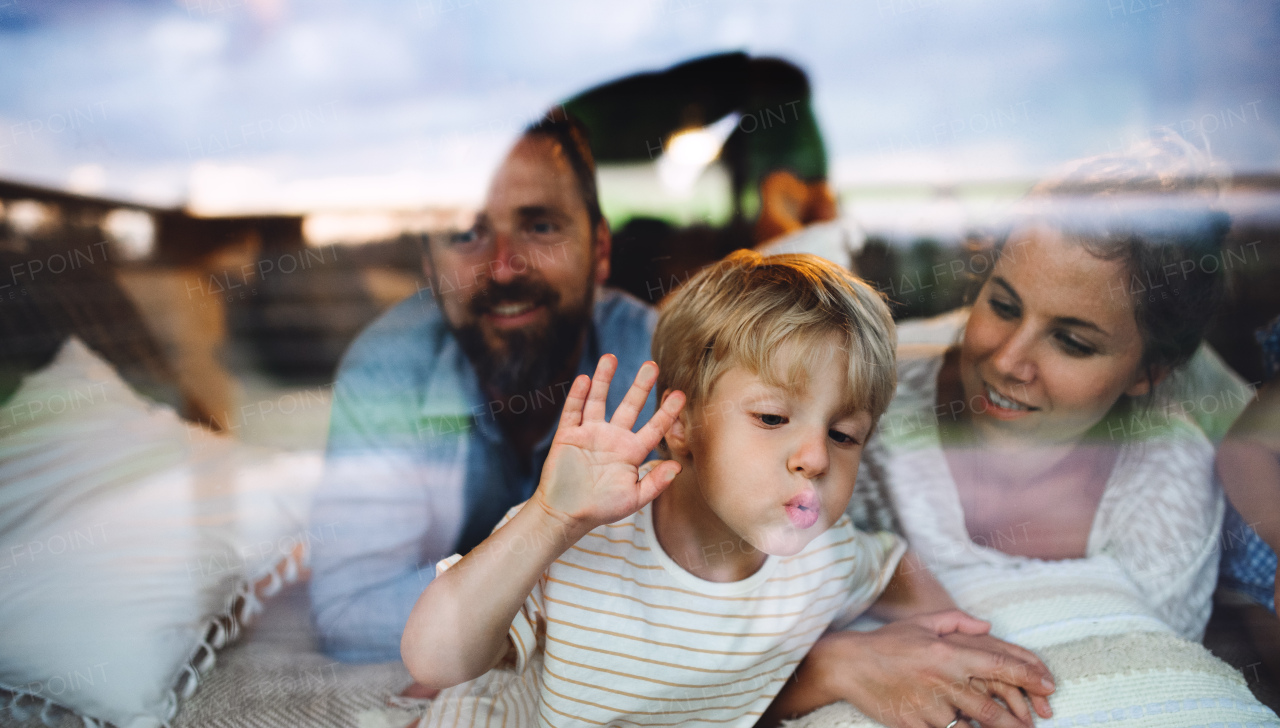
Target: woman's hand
x: 591, y: 476
x: 926, y: 670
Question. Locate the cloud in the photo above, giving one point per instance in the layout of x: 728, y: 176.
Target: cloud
x: 427, y: 93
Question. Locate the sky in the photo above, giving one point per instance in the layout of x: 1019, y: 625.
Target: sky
x: 232, y: 106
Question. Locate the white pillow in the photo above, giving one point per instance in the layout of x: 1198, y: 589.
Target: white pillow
x: 129, y: 543
x: 836, y: 240
x: 1114, y: 662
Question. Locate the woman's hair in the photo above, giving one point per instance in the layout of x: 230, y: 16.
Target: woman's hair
x: 742, y: 310
x: 1152, y: 209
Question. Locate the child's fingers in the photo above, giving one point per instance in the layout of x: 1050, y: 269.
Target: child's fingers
x: 571, y: 415
x: 658, y: 425
x: 629, y: 410
x: 1033, y: 662
x: 652, y: 485
x: 953, y: 620
x: 969, y: 624
x: 1041, y: 705
x: 985, y: 711
x: 594, y: 411
x: 1024, y: 668
x: 1013, y: 698
x: 994, y: 660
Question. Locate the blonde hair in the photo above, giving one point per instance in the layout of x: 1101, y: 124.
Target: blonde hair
x: 742, y: 310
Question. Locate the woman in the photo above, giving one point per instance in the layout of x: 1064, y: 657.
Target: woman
x: 1037, y: 435
x: 1034, y: 437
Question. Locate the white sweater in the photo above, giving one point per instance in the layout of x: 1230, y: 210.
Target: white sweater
x: 1159, y: 517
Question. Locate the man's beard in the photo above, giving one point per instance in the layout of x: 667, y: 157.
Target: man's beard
x: 527, y: 359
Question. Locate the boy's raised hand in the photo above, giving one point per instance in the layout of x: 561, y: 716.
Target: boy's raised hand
x: 459, y: 628
x: 591, y: 476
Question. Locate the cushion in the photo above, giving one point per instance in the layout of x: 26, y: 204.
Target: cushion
x: 1114, y: 662
x: 129, y: 544
x: 836, y: 240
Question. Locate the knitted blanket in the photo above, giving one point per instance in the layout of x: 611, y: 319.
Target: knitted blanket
x: 1114, y: 663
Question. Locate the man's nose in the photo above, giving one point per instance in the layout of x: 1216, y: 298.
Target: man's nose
x: 1015, y: 358
x: 809, y: 456
x: 506, y: 262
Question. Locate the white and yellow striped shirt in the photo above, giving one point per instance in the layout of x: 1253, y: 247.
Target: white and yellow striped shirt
x: 616, y: 633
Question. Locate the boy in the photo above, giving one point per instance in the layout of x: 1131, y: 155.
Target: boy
x: 688, y: 594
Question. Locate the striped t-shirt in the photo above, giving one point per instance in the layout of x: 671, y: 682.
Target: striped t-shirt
x: 615, y: 633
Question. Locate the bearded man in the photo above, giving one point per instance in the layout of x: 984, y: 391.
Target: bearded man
x: 444, y: 408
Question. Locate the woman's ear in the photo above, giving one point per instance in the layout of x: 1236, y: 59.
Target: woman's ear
x: 1147, y: 379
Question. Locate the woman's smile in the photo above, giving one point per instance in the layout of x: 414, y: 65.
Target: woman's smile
x: 1002, y: 407
x: 1045, y: 338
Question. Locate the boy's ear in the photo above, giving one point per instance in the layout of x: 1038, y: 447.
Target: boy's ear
x: 677, y: 438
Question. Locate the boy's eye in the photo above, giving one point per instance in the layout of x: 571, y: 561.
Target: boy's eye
x: 771, y: 420
x: 543, y: 228
x: 842, y: 438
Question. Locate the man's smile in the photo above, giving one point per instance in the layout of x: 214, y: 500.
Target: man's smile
x: 514, y: 314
